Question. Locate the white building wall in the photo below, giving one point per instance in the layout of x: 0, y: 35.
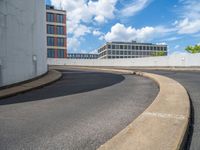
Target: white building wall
x: 22, y: 40
x: 178, y: 60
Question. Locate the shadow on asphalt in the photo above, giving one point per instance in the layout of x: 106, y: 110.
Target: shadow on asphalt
x: 72, y: 82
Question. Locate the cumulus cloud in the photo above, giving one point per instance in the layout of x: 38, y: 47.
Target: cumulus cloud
x: 80, y: 13
x: 190, y: 17
x: 96, y: 33
x: 119, y: 32
x: 134, y: 7
x: 187, y: 26
x: 73, y: 43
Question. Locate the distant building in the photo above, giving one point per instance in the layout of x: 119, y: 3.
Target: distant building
x: 81, y: 56
x: 56, y: 33
x: 129, y: 50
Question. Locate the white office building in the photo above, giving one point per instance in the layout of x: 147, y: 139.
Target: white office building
x: 130, y: 50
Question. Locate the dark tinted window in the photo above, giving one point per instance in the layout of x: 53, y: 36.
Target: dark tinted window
x: 50, y: 17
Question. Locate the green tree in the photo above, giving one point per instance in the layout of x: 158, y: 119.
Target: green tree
x: 158, y: 53
x: 193, y: 49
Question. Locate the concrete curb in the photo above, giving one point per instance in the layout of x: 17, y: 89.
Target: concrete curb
x: 50, y: 77
x: 162, y: 126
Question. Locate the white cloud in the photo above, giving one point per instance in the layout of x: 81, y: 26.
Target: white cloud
x: 172, y: 38
x: 190, y: 17
x: 73, y: 44
x: 80, y: 13
x: 121, y: 33
x: 96, y: 33
x: 93, y: 51
x: 81, y: 31
x: 177, y: 46
x: 162, y: 43
x: 100, y: 19
x: 134, y: 7
x: 187, y: 26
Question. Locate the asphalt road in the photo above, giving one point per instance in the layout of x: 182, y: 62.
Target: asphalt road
x: 191, y: 81
x: 79, y: 112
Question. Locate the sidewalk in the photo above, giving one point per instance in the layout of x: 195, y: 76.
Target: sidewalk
x: 50, y: 77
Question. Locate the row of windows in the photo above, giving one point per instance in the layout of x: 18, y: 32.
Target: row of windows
x: 59, y: 29
x: 125, y: 56
x: 82, y: 56
x: 51, y: 41
x: 132, y: 47
x: 59, y: 18
x: 52, y: 53
x: 129, y: 53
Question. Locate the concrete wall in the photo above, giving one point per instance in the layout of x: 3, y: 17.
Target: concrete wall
x: 179, y: 60
x: 22, y: 40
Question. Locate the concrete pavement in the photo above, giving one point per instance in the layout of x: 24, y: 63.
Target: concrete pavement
x: 80, y: 111
x: 191, y: 81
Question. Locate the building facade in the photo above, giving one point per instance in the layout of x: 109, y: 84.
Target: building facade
x: 130, y: 50
x: 81, y: 56
x: 56, y: 33
x: 22, y: 40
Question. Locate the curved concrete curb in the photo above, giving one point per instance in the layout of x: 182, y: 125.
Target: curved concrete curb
x: 50, y: 77
x: 162, y: 126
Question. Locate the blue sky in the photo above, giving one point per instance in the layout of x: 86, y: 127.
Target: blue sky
x: 91, y: 23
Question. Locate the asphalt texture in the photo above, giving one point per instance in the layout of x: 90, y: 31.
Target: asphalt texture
x: 81, y: 111
x: 191, y: 81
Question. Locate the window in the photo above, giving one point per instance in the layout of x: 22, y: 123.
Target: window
x: 140, y: 47
x: 109, y: 46
x: 117, y: 52
x: 113, y: 46
x: 109, y: 52
x: 61, y: 53
x: 50, y: 41
x: 136, y: 47
x: 61, y: 41
x: 121, y: 46
x: 133, y: 47
x: 125, y: 46
x: 60, y: 30
x: 129, y: 47
x: 117, y: 46
x: 59, y: 18
x: 113, y: 52
x: 50, y: 17
x: 50, y: 53
x: 50, y: 29
x: 144, y: 47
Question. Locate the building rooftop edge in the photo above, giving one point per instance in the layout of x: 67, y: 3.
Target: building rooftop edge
x: 133, y: 42
x: 51, y: 7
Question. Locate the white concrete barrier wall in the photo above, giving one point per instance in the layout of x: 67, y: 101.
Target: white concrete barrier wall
x: 22, y: 40
x: 176, y: 60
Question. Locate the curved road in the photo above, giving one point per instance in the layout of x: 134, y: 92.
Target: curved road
x: 81, y: 111
x: 191, y: 81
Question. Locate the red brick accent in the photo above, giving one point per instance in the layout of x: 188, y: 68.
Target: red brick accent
x: 54, y: 15
x: 64, y: 19
x: 56, y: 53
